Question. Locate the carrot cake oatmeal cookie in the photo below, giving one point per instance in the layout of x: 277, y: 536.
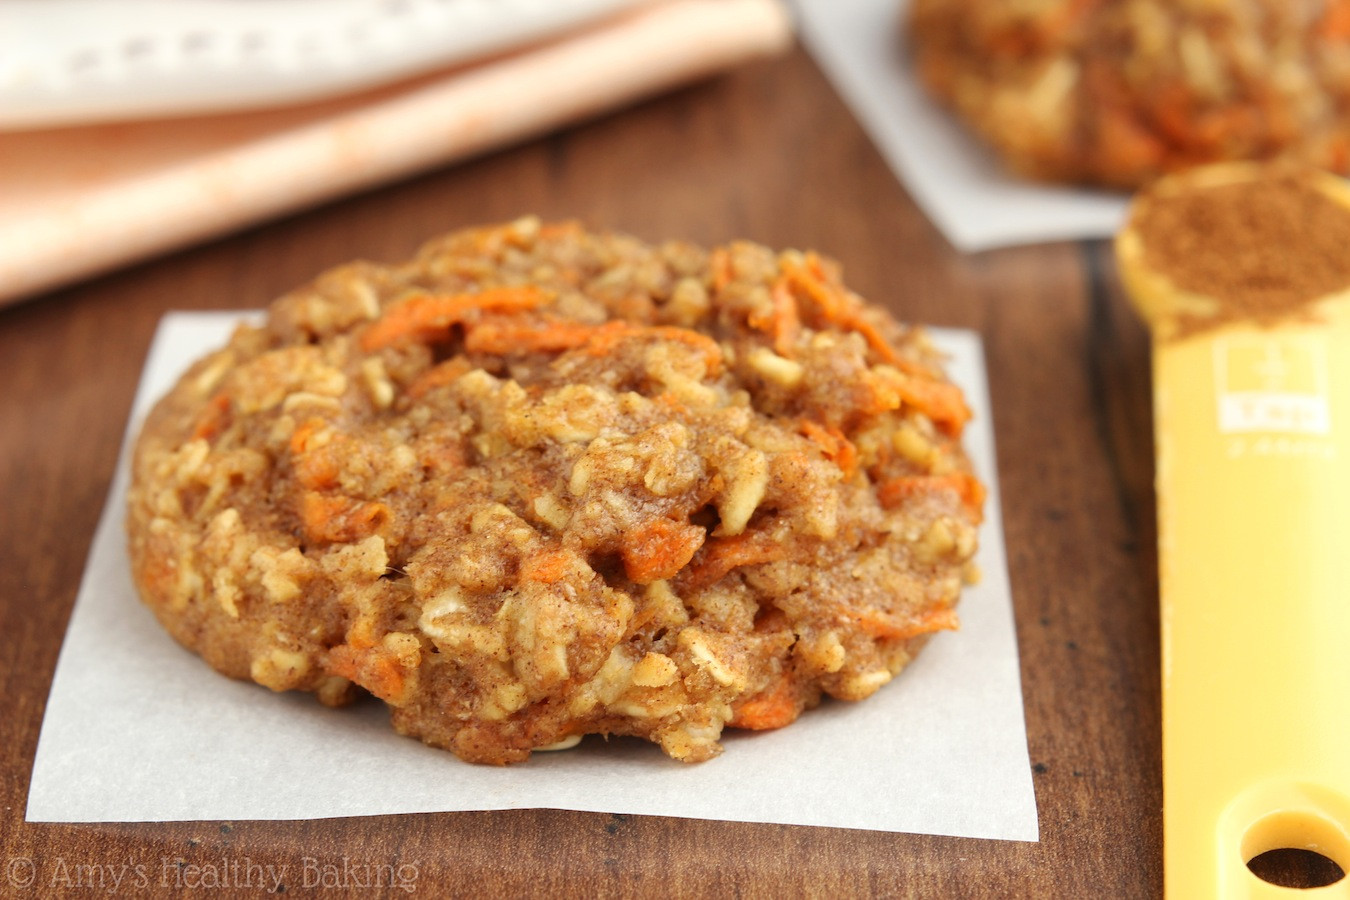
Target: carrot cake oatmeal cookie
x: 1118, y: 92
x: 539, y: 483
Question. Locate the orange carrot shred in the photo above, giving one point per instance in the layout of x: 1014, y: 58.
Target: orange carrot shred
x: 551, y: 231
x: 834, y: 445
x: 720, y: 263
x: 847, y: 459
x: 892, y: 492
x: 1335, y: 24
x: 315, y: 466
x: 426, y: 317
x: 1126, y: 145
x: 337, y: 519
x: 940, y: 401
x: 807, y: 278
x: 772, y: 708
x: 611, y: 333
x: 835, y: 305
x: 818, y: 434
x: 438, y: 375
x: 916, y: 369
x: 317, y: 469
x: 547, y: 567
x: 722, y: 555
x: 157, y: 572
x: 874, y: 339
x: 213, y: 418
x: 787, y: 322
x: 881, y: 625
x: 501, y: 337
x: 299, y: 442
x: 376, y: 671
x: 783, y: 322
x: 660, y: 549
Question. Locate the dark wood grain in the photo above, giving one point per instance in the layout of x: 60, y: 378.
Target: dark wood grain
x: 768, y: 153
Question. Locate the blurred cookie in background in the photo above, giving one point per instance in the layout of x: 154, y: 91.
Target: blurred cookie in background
x: 1119, y: 93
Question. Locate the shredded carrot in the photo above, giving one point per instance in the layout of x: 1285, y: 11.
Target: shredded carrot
x: 674, y: 404
x: 1027, y: 37
x: 1198, y: 135
x: 499, y: 337
x: 883, y: 393
x: 438, y: 375
x: 1335, y: 23
x: 212, y: 420
x: 874, y: 339
x: 603, y: 339
x: 1013, y: 42
x: 330, y: 518
x: 782, y: 322
x: 547, y: 567
x: 551, y: 231
x: 809, y: 279
x: 940, y: 401
x: 345, y: 662
x: 720, y: 263
x: 772, y: 708
x: 361, y: 634
x: 892, y: 492
x: 824, y: 438
x: 425, y: 317
x: 1126, y: 145
x: 157, y: 572
x: 881, y: 625
x: 611, y: 333
x: 660, y: 549
x: 849, y: 313
x: 1172, y: 108
x: 300, y: 437
x: 835, y: 305
x: 1219, y: 127
x: 317, y: 469
x: 316, y: 466
x: 916, y: 369
x: 847, y: 458
x: 1338, y: 150
x: 376, y: 671
x: 834, y: 444
x: 787, y: 320
x: 721, y: 555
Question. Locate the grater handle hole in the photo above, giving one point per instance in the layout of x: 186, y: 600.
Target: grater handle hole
x: 1295, y: 867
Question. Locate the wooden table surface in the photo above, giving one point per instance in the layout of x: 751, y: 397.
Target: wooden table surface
x: 767, y: 152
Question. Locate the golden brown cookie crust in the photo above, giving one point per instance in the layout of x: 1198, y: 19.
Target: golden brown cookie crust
x: 538, y: 483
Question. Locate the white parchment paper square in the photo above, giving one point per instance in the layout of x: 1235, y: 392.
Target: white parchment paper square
x: 957, y: 182
x: 138, y: 729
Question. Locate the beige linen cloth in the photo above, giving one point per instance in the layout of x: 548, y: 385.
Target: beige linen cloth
x: 75, y: 202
